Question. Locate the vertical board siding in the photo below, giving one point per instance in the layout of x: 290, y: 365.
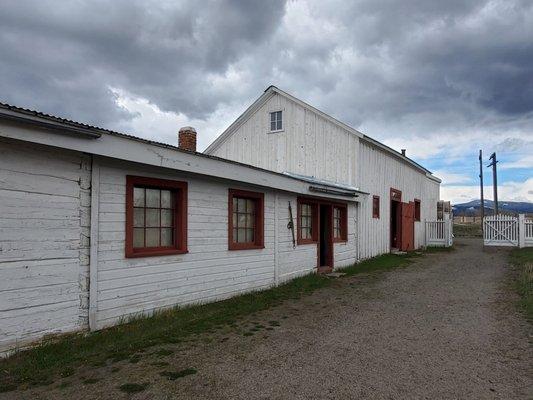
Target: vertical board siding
x: 378, y: 173
x: 309, y: 144
x: 44, y: 241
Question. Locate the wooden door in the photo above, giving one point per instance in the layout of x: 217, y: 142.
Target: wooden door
x: 408, y: 227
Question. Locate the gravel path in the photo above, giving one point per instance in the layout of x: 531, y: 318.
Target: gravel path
x: 444, y: 327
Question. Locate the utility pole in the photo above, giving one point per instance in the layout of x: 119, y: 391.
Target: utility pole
x: 494, y: 181
x: 481, y: 186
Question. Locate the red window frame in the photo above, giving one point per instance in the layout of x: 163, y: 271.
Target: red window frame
x: 314, y: 221
x: 180, y: 216
x: 259, y: 233
x: 375, y: 207
x: 395, y: 194
x: 417, y: 209
x: 343, y: 223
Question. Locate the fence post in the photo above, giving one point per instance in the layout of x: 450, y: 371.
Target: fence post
x: 521, y: 230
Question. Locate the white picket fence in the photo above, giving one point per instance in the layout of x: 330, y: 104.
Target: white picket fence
x: 439, y: 233
x: 507, y: 230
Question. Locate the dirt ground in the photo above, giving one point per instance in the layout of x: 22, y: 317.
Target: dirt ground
x: 444, y: 327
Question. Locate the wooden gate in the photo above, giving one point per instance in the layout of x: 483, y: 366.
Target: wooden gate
x: 439, y: 233
x: 500, y: 230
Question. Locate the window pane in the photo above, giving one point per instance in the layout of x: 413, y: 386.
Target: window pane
x: 241, y: 220
x: 241, y: 235
x: 249, y: 235
x: 235, y: 233
x: 166, y: 199
x: 241, y: 205
x: 138, y: 197
x: 138, y: 238
x: 250, y: 221
x: 166, y: 217
x: 278, y: 127
x: 250, y: 206
x: 166, y: 237
x: 272, y: 117
x: 138, y: 217
x: 235, y: 204
x: 152, y: 198
x: 235, y: 219
x: 152, y: 217
x: 273, y: 126
x: 152, y: 237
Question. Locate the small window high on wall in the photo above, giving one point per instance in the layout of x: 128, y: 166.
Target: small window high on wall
x: 156, y: 217
x: 245, y: 216
x: 276, y: 123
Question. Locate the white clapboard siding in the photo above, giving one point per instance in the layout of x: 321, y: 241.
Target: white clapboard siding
x: 43, y: 241
x: 207, y: 272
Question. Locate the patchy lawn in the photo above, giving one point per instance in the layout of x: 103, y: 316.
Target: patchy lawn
x: 61, y: 357
x: 523, y: 261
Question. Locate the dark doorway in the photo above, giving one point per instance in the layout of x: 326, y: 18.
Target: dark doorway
x: 325, y: 242
x: 395, y: 224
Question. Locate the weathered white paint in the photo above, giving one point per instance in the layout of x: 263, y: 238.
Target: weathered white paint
x: 314, y: 145
x: 209, y: 271
x: 310, y: 144
x: 93, y: 262
x: 378, y: 174
x: 44, y: 241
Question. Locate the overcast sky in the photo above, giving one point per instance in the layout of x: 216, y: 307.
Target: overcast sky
x: 439, y: 78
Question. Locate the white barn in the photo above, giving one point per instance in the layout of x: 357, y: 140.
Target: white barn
x: 282, y: 133
x: 97, y: 226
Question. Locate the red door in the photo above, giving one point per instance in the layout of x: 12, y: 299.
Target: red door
x: 408, y: 227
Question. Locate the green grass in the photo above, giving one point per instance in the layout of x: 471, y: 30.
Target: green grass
x: 41, y: 364
x: 381, y: 263
x: 523, y: 261
x: 62, y: 356
x: 133, y: 387
x: 467, y: 230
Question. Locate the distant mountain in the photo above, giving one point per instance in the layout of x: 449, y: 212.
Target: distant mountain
x: 473, y: 207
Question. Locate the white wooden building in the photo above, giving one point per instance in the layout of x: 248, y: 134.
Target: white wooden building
x: 282, y: 133
x: 78, y: 250
x: 97, y: 226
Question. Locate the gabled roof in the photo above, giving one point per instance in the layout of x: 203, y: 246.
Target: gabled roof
x: 63, y: 133
x: 273, y: 90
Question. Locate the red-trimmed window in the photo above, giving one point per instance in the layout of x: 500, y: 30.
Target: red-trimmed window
x: 156, y: 217
x: 245, y: 216
x: 307, y: 221
x: 340, y: 223
x: 417, y: 210
x: 375, y: 207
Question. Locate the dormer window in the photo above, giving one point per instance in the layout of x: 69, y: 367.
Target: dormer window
x: 276, y: 123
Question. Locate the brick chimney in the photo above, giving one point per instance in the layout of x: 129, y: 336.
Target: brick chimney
x: 187, y: 138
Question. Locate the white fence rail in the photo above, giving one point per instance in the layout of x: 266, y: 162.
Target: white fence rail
x: 439, y: 233
x: 507, y: 230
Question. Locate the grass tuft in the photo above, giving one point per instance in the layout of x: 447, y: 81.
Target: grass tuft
x: 523, y: 261
x: 133, y: 387
x: 172, y: 376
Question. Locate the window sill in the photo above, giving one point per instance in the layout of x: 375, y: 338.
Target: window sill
x: 154, y: 253
x: 233, y: 247
x: 278, y: 131
x: 340, y: 241
x: 304, y: 242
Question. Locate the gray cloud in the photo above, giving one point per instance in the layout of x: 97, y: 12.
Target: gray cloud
x: 427, y: 67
